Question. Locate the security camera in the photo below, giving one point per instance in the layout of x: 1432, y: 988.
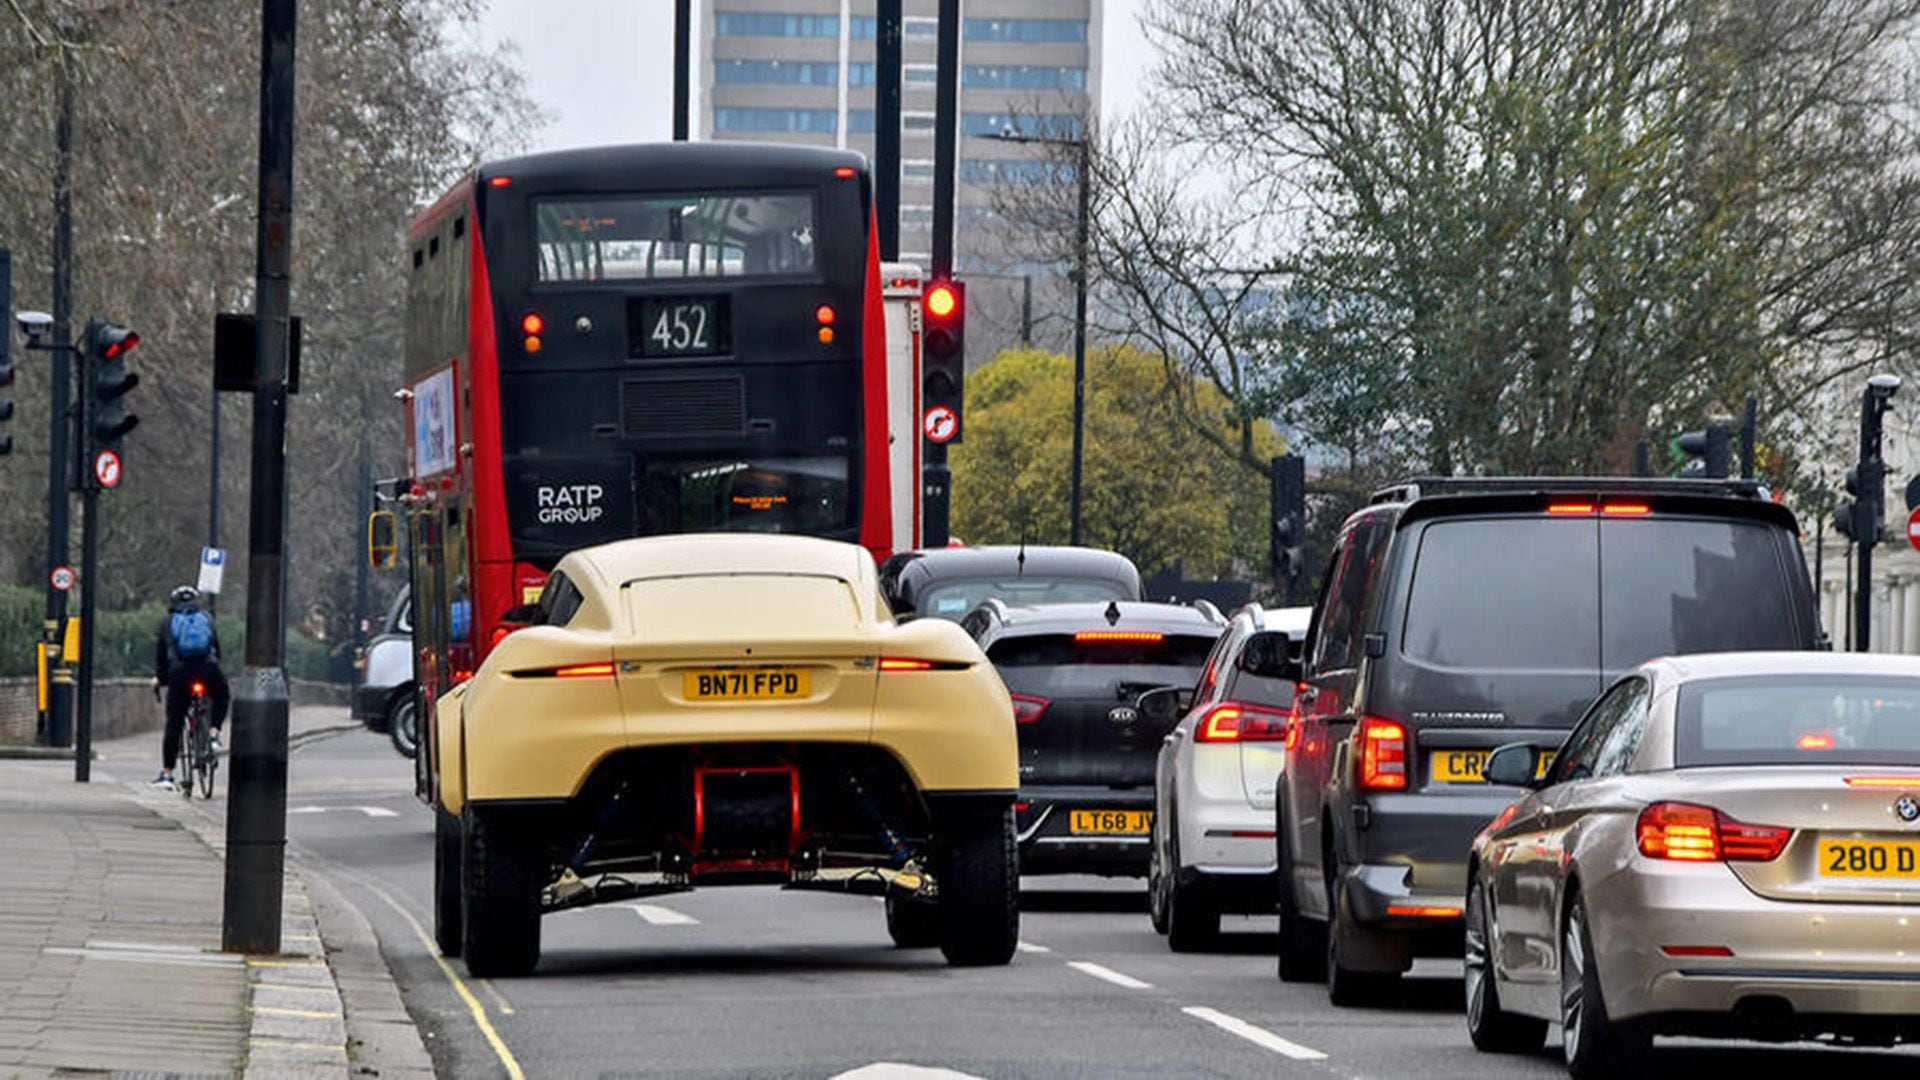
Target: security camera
x: 34, y: 324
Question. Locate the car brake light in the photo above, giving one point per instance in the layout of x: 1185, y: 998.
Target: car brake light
x: 1292, y: 739
x: 890, y: 663
x: 1815, y: 740
x: 1028, y: 710
x: 1687, y: 833
x: 1626, y: 509
x: 1883, y: 781
x: 1383, y: 754
x: 1570, y: 508
x: 583, y: 671
x: 1231, y: 721
x: 1119, y: 637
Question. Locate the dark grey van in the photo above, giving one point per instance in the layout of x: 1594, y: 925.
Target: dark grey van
x: 1459, y: 614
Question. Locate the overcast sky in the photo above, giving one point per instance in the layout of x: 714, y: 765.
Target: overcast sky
x: 603, y: 69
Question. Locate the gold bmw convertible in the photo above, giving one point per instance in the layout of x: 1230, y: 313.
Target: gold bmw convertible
x: 1725, y: 845
x: 721, y: 710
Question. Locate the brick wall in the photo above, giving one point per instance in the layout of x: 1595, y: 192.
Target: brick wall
x: 120, y: 707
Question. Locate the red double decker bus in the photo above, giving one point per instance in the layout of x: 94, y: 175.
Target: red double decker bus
x: 630, y: 341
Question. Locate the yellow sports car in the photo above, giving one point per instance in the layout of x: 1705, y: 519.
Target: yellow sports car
x: 719, y: 710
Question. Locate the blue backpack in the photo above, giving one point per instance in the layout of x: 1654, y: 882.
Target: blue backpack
x: 192, y: 635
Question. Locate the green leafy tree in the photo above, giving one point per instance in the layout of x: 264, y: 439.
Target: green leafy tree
x: 1155, y: 489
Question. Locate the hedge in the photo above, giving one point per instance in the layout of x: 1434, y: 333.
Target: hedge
x: 123, y: 641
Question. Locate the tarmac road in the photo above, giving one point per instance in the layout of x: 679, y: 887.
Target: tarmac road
x: 757, y: 982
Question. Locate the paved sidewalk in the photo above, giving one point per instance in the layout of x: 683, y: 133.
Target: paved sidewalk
x: 110, y: 912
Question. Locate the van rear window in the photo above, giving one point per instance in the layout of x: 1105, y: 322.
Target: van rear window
x: 1798, y: 720
x: 1541, y: 593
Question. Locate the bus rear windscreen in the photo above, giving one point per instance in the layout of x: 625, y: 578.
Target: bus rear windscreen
x: 654, y: 237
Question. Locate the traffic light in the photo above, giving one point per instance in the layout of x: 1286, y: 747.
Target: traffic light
x: 1288, y: 542
x: 1862, y: 519
x: 943, y: 350
x: 1712, y: 447
x: 107, y: 383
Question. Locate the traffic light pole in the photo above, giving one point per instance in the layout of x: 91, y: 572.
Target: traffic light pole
x: 1079, y: 339
x: 886, y: 126
x: 89, y: 569
x: 257, y: 792
x: 59, y: 720
x: 936, y: 481
x: 1870, y: 510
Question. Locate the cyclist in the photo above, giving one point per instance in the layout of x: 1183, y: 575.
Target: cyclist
x: 187, y: 651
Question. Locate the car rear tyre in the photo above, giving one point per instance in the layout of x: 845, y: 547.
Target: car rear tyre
x: 1303, y: 943
x: 1595, y: 1044
x: 1157, y: 877
x: 1347, y: 987
x: 979, y: 879
x: 1193, y: 923
x: 912, y: 923
x: 403, y: 725
x: 1492, y: 1029
x: 502, y: 873
x: 447, y: 929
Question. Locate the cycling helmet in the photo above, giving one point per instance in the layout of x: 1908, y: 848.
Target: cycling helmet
x: 185, y: 594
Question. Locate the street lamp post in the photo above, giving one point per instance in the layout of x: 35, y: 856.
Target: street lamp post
x: 1084, y: 149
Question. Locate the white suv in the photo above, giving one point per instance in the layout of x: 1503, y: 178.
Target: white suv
x: 1212, y: 847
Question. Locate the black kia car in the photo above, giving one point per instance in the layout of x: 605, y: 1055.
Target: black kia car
x: 1087, y: 752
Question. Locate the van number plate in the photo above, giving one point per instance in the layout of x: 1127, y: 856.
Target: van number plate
x: 1466, y: 766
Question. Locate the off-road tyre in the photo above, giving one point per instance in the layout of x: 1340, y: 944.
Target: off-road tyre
x: 1595, y: 1044
x: 912, y: 923
x: 1302, y: 944
x: 1347, y: 987
x: 978, y: 870
x: 1492, y: 1029
x: 447, y: 927
x: 403, y: 724
x: 502, y: 875
x: 1193, y: 921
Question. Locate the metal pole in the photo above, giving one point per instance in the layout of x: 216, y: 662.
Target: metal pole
x: 59, y: 718
x: 1026, y: 311
x: 1869, y: 514
x: 886, y: 127
x: 1079, y: 341
x: 1749, y: 436
x: 213, y: 494
x: 89, y: 577
x: 257, y: 794
x: 936, y: 480
x: 682, y: 35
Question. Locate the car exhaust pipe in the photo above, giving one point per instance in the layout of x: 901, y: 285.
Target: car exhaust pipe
x: 1765, y: 1018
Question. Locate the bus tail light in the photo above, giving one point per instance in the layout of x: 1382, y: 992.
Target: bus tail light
x: 1384, y: 752
x: 1029, y: 710
x: 1684, y: 832
x: 1232, y: 721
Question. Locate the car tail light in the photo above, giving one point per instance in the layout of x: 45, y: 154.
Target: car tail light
x: 570, y: 671
x: 1028, y: 710
x: 1815, y: 740
x: 904, y: 663
x: 1883, y: 781
x: 1687, y: 833
x: 1384, y: 752
x: 1232, y: 721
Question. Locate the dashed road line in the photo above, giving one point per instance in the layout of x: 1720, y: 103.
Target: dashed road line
x: 661, y: 916
x: 1258, y: 1036
x: 1109, y: 975
x: 1030, y: 947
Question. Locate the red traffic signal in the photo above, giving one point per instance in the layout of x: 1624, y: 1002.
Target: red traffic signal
x: 943, y: 300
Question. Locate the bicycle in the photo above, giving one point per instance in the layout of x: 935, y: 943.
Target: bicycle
x: 198, y: 761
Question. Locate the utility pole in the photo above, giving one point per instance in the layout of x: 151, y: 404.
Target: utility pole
x: 936, y: 480
x: 257, y: 792
x: 59, y: 718
x: 1080, y: 338
x: 682, y: 63
x: 886, y: 126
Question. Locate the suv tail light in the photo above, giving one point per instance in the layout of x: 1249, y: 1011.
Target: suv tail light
x: 1687, y: 833
x: 1232, y: 721
x: 1384, y: 753
x: 1028, y: 710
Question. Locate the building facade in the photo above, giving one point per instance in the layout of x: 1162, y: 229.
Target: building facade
x: 803, y: 71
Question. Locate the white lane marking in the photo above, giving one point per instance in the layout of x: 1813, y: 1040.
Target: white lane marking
x: 1108, y: 974
x: 1258, y: 1036
x: 1028, y: 946
x: 661, y: 916
x: 370, y: 811
x: 893, y: 1070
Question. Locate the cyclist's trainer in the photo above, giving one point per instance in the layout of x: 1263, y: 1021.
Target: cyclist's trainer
x: 187, y: 651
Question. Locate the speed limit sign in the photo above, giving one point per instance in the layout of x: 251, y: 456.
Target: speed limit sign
x: 61, y: 578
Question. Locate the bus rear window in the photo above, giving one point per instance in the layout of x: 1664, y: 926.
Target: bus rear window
x: 649, y: 237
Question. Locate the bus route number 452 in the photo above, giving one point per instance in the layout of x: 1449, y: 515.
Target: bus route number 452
x: 679, y: 328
